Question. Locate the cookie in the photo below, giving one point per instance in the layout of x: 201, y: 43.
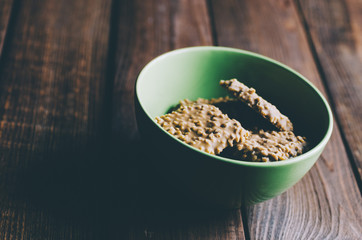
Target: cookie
x: 266, y: 146
x: 203, y: 126
x: 253, y: 100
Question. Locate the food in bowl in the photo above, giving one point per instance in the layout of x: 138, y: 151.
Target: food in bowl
x: 203, y: 125
x: 253, y: 100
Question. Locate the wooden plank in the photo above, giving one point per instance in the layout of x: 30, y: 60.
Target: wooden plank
x: 187, y: 224
x: 326, y: 203
x: 336, y: 31
x: 51, y: 121
x: 147, y: 29
x: 5, y: 12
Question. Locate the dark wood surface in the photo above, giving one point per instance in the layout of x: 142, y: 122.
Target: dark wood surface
x: 52, y: 98
x: 335, y: 33
x: 69, y: 140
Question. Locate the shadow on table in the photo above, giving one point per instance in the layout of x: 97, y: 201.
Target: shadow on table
x: 109, y: 194
x: 143, y: 201
x: 68, y: 187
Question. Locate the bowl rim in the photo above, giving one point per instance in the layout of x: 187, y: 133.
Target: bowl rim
x: 319, y: 147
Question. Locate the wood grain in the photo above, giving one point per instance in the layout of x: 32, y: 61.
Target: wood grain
x: 187, y: 224
x: 51, y: 121
x: 326, y: 203
x: 5, y: 12
x: 147, y: 29
x: 336, y: 32
x: 56, y: 94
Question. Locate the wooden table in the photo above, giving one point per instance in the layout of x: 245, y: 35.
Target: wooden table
x: 69, y: 143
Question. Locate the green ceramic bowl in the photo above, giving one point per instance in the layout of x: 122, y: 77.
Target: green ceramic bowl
x: 217, y: 181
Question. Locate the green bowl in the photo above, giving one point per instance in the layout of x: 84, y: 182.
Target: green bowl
x: 213, y: 180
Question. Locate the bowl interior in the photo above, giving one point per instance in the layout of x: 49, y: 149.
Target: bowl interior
x: 195, y: 72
